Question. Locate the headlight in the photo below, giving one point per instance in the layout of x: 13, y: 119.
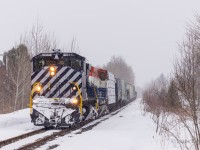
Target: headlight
x: 34, y: 101
x: 74, y: 101
x: 38, y: 88
x: 52, y: 70
x: 74, y: 88
x: 52, y: 73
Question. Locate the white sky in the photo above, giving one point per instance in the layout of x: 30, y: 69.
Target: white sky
x: 144, y: 32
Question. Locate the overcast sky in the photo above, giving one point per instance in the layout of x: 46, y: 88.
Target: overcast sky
x: 144, y: 32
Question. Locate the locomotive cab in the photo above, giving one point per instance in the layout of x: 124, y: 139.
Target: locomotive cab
x: 58, y: 59
x: 57, y: 81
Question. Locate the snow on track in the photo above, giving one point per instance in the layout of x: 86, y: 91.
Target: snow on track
x: 127, y: 130
x: 27, y: 140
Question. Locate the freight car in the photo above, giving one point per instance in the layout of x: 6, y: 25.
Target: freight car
x: 125, y: 92
x: 66, y: 90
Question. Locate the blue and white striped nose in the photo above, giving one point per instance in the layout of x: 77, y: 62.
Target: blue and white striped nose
x: 57, y: 86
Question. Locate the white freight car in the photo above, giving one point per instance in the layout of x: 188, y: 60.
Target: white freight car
x: 111, y: 88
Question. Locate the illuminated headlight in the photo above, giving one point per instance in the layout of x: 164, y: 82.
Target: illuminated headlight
x: 74, y: 88
x: 35, y: 101
x: 52, y: 70
x: 74, y: 101
x: 52, y: 73
x: 38, y: 88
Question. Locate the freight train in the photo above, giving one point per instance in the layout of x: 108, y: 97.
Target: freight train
x: 66, y: 90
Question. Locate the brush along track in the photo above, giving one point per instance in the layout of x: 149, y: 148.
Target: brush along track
x: 20, y: 137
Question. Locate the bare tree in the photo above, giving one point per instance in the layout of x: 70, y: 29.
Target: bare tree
x: 184, y: 124
x: 38, y: 40
x: 73, y: 46
x: 17, y: 81
x: 154, y: 98
x: 120, y: 69
x: 172, y: 99
x: 3, y: 98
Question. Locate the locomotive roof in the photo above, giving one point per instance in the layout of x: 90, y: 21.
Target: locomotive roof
x: 59, y: 53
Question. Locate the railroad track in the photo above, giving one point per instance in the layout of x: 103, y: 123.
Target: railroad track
x: 44, y: 139
x: 20, y: 137
x: 53, y: 136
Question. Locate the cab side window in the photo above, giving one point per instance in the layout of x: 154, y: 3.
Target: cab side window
x: 38, y: 64
x: 76, y: 63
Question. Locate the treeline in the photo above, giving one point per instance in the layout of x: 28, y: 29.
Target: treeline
x: 15, y: 79
x: 15, y: 70
x: 118, y: 66
x: 179, y: 94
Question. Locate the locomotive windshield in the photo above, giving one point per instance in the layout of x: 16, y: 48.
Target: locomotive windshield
x: 70, y: 61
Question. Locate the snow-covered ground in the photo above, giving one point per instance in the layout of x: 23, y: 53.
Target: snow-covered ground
x: 127, y: 130
x: 16, y: 123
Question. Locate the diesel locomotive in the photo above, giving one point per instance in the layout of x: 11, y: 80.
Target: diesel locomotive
x: 66, y: 90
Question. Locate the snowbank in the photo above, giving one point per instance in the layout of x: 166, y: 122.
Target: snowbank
x: 15, y: 123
